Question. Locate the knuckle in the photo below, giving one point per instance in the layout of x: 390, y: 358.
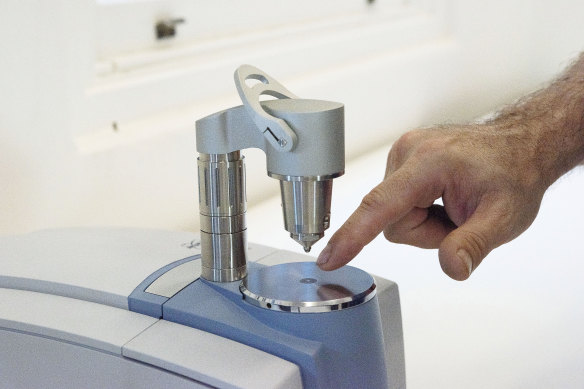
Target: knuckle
x: 393, y: 160
x: 375, y: 200
x: 429, y: 147
x: 422, y: 145
x: 402, y: 147
x: 514, y: 216
x: 433, y: 145
x: 477, y: 243
x: 409, y: 138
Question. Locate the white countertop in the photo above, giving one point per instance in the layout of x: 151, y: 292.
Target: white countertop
x: 516, y: 323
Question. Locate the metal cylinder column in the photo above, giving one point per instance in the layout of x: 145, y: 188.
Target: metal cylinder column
x: 222, y: 207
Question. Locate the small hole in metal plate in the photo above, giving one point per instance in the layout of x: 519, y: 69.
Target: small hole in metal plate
x: 308, y: 281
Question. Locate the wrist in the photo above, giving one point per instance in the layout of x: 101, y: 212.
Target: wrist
x: 548, y: 147
x: 551, y: 121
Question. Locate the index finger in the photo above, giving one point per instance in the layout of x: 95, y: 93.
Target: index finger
x: 387, y: 203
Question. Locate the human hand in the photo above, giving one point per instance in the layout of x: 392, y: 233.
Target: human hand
x: 489, y: 182
x: 491, y: 179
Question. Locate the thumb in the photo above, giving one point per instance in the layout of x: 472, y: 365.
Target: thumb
x: 463, y: 249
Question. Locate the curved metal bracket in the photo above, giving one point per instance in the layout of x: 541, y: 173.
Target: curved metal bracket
x: 275, y: 130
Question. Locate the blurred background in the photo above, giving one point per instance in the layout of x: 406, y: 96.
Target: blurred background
x: 97, y: 113
x: 98, y: 100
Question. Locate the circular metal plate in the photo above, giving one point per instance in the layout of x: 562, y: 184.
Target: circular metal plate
x: 301, y: 287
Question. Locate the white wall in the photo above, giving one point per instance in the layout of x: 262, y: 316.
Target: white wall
x: 72, y: 68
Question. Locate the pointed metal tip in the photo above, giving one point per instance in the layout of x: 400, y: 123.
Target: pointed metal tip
x: 306, y: 240
x: 306, y: 245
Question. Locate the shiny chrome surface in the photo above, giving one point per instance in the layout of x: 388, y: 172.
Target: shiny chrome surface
x: 223, y: 256
x: 222, y: 184
x: 301, y: 287
x: 222, y: 207
x: 306, y: 207
x: 305, y: 178
x: 225, y: 224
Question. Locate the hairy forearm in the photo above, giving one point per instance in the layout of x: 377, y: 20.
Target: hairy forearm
x: 552, y: 122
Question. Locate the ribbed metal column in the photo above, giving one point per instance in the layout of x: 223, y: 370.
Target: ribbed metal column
x: 222, y: 207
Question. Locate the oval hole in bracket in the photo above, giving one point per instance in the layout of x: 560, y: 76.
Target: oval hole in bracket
x: 254, y: 79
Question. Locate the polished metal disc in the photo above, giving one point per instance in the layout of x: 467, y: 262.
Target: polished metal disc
x: 302, y: 287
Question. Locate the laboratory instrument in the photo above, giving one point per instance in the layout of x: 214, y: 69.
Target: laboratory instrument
x: 134, y: 308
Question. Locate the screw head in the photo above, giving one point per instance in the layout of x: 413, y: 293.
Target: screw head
x: 282, y: 142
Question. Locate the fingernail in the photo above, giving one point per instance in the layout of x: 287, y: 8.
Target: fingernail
x: 324, y: 255
x: 466, y: 259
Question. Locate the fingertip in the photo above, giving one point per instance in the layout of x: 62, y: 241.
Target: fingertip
x: 337, y: 253
x: 328, y: 260
x: 455, y: 262
x: 324, y: 257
